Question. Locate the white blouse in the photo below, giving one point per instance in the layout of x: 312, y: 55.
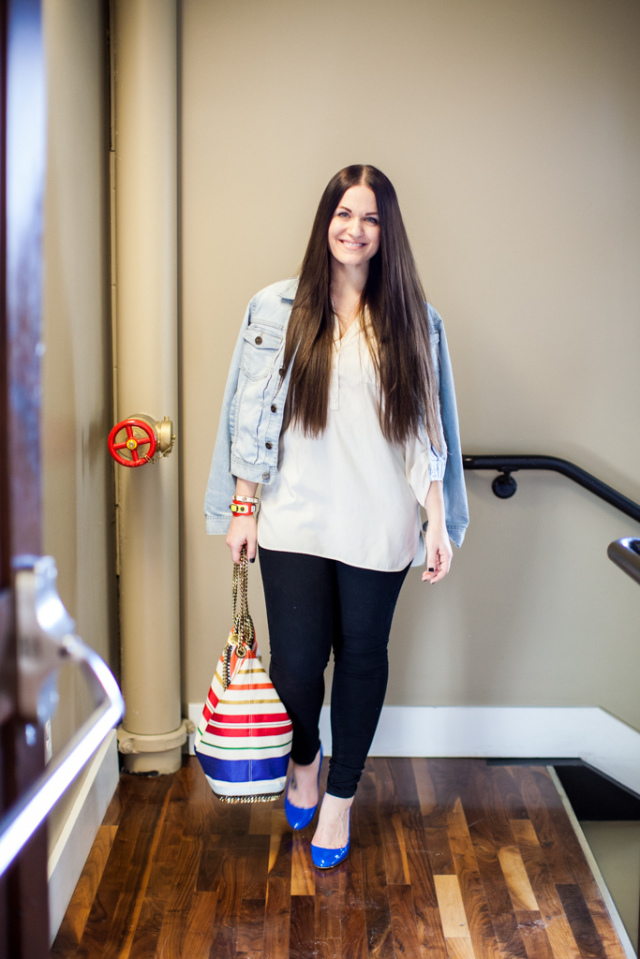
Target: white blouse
x: 349, y: 494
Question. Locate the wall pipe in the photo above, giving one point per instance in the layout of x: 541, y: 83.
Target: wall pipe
x: 144, y: 174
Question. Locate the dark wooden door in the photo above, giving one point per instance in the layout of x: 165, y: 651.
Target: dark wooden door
x: 23, y: 889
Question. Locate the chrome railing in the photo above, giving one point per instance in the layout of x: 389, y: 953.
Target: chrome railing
x: 625, y: 553
x: 45, y: 641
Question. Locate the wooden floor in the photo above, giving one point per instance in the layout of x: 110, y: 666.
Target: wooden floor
x: 450, y: 859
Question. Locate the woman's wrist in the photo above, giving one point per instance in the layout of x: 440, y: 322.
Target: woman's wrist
x: 245, y: 502
x: 434, y: 506
x: 245, y: 487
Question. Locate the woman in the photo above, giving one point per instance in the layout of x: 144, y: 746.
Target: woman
x: 340, y: 403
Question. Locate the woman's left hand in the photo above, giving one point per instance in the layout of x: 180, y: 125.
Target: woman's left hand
x: 439, y: 554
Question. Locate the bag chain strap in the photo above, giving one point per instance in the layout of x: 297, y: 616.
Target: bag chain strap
x: 242, y: 635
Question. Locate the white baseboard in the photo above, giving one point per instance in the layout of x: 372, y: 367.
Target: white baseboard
x: 70, y: 852
x: 506, y: 732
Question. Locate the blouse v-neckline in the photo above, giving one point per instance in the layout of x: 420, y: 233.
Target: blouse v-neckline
x: 338, y: 336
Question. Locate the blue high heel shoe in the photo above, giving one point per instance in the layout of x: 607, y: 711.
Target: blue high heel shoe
x: 327, y: 858
x: 299, y: 817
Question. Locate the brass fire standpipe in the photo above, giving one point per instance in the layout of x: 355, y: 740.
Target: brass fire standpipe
x: 140, y: 439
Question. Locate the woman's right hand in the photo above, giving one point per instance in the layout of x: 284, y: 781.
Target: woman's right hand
x: 243, y: 531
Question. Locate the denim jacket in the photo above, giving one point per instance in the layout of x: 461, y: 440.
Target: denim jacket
x: 253, y: 407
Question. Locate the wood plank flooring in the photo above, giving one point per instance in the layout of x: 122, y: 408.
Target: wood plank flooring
x: 450, y: 859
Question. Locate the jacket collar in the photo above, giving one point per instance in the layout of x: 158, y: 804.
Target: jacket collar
x: 288, y: 292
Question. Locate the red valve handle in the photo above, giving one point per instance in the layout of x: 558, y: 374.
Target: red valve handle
x: 131, y: 442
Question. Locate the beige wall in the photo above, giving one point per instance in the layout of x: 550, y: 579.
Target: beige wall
x: 77, y: 471
x: 512, y: 134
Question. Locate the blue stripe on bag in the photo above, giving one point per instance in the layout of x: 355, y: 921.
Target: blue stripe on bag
x: 244, y: 770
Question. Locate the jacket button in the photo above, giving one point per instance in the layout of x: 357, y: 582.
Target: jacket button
x: 281, y: 371
x: 274, y: 408
x: 258, y: 340
x: 269, y: 445
x: 265, y: 476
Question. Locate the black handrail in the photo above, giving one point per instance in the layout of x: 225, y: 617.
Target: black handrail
x: 625, y: 553
x: 505, y: 485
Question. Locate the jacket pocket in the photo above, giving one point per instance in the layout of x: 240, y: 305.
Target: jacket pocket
x: 261, y: 347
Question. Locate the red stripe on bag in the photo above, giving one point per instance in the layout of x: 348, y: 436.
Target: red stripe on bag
x: 252, y: 718
x: 250, y: 732
x: 212, y: 700
x: 239, y: 686
x: 208, y: 711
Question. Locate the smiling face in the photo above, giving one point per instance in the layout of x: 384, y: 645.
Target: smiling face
x: 354, y: 231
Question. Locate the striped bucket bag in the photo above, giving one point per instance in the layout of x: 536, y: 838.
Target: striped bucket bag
x: 243, y: 740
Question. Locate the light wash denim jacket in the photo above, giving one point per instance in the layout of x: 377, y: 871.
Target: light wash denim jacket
x: 253, y: 407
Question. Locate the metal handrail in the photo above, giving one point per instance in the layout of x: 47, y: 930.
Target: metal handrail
x: 22, y: 820
x: 505, y: 485
x: 625, y: 553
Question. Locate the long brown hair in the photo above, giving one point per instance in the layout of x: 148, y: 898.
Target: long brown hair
x: 394, y: 299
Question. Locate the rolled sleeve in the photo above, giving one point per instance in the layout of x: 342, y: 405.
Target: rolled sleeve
x: 423, y: 465
x: 437, y: 463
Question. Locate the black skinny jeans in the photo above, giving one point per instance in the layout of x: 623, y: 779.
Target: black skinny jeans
x: 314, y: 605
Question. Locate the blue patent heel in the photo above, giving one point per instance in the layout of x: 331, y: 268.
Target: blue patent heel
x: 298, y: 817
x: 328, y: 858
